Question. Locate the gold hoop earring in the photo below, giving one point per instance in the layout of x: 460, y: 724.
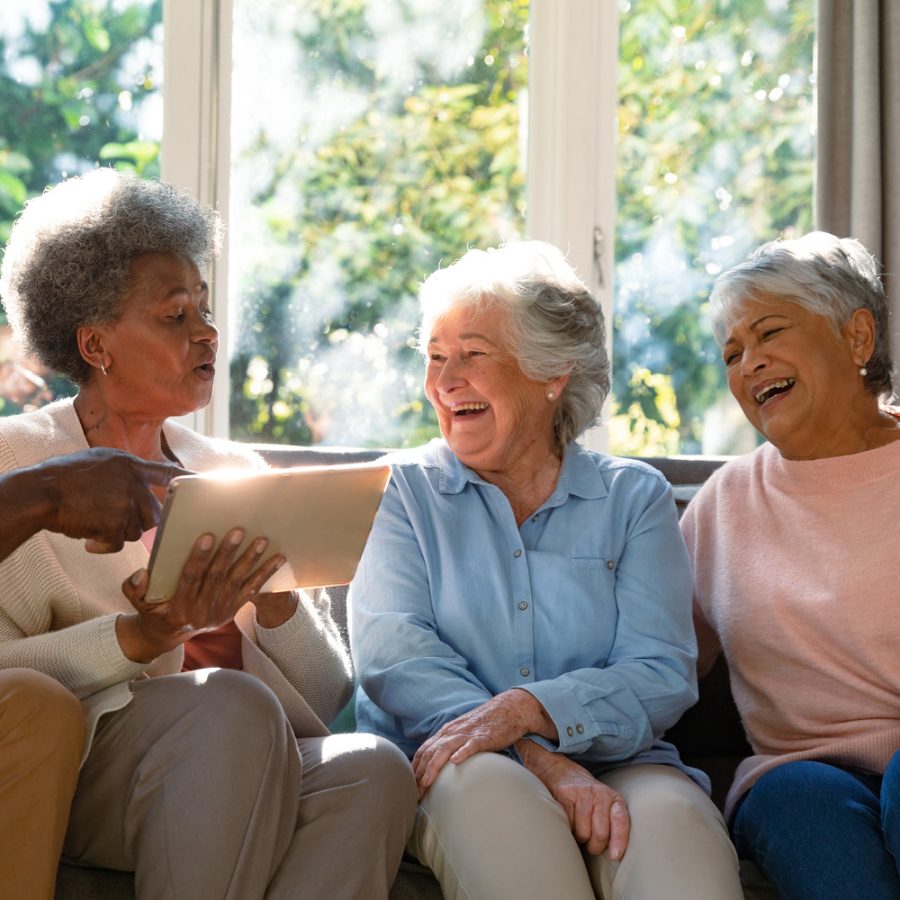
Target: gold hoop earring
x: 104, y: 370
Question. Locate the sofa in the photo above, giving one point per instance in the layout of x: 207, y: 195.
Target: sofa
x: 709, y: 735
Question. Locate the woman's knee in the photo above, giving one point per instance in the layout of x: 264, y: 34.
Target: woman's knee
x: 227, y: 718
x: 794, y: 797
x: 35, y: 707
x: 489, y: 828
x: 803, y: 783
x: 490, y: 787
x: 480, y: 775
x: 378, y: 769
x: 669, y: 810
x: 234, y: 703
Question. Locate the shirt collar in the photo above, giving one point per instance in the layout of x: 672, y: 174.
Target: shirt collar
x: 579, y: 475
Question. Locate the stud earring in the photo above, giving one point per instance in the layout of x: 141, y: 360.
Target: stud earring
x: 551, y: 395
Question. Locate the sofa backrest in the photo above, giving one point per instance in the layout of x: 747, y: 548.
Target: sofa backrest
x: 685, y: 473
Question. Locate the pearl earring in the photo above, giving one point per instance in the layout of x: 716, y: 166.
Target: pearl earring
x: 863, y: 371
x: 551, y: 395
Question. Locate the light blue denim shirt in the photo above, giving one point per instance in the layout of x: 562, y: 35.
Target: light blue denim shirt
x: 587, y: 605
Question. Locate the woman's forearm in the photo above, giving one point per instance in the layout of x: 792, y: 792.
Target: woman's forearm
x: 84, y: 658
x: 27, y: 504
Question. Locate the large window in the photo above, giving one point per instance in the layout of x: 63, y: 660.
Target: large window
x: 379, y: 140
x: 715, y: 156
x: 355, y: 145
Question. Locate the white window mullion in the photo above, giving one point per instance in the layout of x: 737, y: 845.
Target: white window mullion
x: 195, y: 146
x: 571, y: 148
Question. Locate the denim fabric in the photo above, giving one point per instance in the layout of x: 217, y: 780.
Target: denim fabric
x: 821, y: 832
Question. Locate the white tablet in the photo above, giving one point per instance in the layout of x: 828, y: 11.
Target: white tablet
x: 318, y: 517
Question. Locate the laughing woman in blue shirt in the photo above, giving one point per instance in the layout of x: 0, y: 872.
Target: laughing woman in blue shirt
x: 521, y: 617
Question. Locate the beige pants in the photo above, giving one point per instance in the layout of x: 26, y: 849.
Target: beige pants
x: 41, y: 740
x: 201, y: 788
x: 490, y: 830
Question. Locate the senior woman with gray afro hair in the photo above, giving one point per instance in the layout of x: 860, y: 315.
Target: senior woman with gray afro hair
x: 520, y: 620
x: 796, y: 563
x: 103, y: 280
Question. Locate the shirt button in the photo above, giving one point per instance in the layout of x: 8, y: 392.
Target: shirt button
x: 524, y: 671
x: 610, y: 564
x: 579, y: 729
x: 517, y: 553
x: 523, y: 606
x: 570, y: 731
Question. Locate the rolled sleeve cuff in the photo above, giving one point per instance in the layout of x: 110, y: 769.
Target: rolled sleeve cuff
x: 117, y: 666
x: 576, y: 728
x: 284, y: 635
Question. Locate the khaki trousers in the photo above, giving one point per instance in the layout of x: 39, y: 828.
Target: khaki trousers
x: 490, y: 830
x: 200, y: 787
x: 41, y: 741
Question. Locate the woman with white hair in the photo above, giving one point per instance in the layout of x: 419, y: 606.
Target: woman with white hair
x: 520, y: 620
x: 795, y: 554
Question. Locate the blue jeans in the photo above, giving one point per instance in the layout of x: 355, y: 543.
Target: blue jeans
x: 820, y: 832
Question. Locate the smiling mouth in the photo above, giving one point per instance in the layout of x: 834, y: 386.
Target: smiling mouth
x: 772, y: 390
x: 469, y: 409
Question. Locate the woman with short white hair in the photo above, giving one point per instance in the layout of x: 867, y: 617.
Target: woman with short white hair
x: 796, y: 563
x: 520, y: 620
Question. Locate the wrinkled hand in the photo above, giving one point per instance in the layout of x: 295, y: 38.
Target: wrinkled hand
x: 495, y: 725
x: 103, y: 495
x: 213, y: 586
x: 597, y: 815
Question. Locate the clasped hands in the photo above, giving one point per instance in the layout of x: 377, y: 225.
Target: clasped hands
x: 597, y: 815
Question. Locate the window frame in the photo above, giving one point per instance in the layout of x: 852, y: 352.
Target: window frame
x: 571, y: 155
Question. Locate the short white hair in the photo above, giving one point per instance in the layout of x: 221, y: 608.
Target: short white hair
x: 554, y: 325
x: 826, y: 275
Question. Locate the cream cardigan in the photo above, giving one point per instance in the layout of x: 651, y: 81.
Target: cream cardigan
x: 59, y: 603
x: 797, y: 572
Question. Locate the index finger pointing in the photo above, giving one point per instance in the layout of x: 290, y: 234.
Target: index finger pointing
x: 148, y: 510
x: 160, y: 473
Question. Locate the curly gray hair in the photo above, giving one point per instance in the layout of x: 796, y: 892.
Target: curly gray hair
x: 826, y: 275
x: 554, y: 325
x: 68, y: 260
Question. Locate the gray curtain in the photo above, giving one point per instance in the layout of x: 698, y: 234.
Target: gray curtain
x: 858, y: 150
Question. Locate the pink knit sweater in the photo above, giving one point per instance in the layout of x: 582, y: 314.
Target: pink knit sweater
x: 797, y: 573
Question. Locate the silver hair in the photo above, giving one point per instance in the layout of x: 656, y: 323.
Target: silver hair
x: 826, y: 275
x: 554, y: 326
x: 69, y: 256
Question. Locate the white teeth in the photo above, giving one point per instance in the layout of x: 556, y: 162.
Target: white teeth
x: 470, y: 407
x: 763, y: 395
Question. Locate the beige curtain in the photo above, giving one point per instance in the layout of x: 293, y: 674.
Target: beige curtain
x: 858, y: 149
